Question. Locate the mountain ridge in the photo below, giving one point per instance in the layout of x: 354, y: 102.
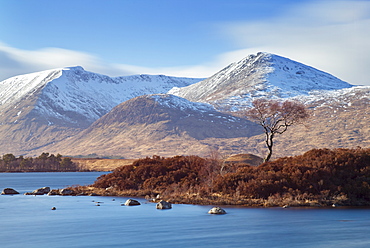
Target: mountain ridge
x: 44, y: 108
x: 68, y: 93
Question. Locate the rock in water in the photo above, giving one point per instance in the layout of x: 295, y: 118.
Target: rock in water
x: 217, y: 210
x: 40, y: 191
x: 163, y: 205
x: 54, y: 192
x: 9, y: 191
x: 66, y: 192
x: 131, y: 202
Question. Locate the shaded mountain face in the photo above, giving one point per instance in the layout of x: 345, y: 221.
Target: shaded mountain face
x: 262, y: 75
x: 178, y: 116
x: 157, y: 121
x: 44, y: 108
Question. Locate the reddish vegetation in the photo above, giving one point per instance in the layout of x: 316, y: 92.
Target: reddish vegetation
x: 318, y: 177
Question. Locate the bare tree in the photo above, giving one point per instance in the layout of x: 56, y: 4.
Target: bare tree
x: 275, y: 117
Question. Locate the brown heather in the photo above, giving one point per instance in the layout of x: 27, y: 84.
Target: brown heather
x: 319, y: 177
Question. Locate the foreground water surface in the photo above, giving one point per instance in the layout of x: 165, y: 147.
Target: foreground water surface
x: 28, y: 221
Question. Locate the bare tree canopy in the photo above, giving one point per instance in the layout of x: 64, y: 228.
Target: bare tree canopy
x: 275, y: 117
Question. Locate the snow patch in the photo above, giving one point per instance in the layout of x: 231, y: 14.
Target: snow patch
x: 182, y: 104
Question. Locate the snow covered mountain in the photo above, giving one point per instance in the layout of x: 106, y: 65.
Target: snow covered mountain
x: 262, y: 75
x: 73, y: 96
x: 72, y: 111
x: 44, y: 108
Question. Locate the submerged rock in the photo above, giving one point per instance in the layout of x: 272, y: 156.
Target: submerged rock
x: 217, y: 210
x: 131, y: 202
x: 164, y: 205
x: 9, y: 191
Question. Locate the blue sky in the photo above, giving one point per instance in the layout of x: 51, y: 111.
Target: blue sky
x: 192, y: 38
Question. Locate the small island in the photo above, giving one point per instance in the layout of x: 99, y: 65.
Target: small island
x: 318, y: 178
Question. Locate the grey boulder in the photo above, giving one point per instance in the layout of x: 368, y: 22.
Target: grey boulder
x: 163, y: 205
x: 131, y: 202
x: 9, y: 191
x: 217, y: 210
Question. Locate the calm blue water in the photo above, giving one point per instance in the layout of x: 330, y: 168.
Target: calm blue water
x: 28, y: 221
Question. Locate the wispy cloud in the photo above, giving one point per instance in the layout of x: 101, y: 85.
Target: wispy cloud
x: 15, y: 61
x: 333, y: 36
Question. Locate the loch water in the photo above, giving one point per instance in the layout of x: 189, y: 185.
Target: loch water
x: 28, y: 221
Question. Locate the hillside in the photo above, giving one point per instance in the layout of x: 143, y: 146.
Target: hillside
x: 157, y: 125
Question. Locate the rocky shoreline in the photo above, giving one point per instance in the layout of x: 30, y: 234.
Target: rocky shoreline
x: 90, y: 191
x: 196, y: 199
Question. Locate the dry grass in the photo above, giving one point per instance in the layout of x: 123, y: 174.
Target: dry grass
x: 100, y: 164
x: 245, y: 158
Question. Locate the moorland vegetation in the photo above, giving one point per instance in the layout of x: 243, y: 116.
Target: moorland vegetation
x: 319, y: 177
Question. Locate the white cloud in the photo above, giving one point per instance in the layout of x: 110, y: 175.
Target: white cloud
x: 333, y: 36
x: 15, y: 61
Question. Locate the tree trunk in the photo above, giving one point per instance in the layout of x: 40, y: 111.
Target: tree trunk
x: 269, y: 143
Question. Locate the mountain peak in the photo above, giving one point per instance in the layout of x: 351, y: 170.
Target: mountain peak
x: 260, y: 75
